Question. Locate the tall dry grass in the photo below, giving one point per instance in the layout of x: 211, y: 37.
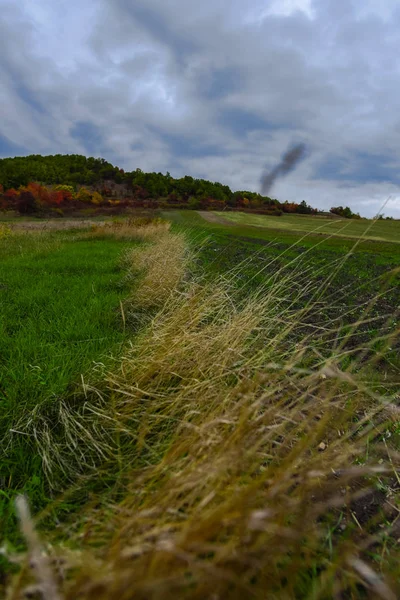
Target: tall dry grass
x: 251, y: 465
x: 161, y: 267
x: 133, y: 228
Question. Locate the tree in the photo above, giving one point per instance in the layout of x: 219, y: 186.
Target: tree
x: 10, y: 197
x: 304, y: 209
x: 56, y: 197
x: 84, y: 195
x: 26, y: 203
x: 193, y: 203
x: 346, y: 212
x: 97, y: 198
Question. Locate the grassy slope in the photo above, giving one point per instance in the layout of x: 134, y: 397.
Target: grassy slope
x: 358, y: 270
x: 59, y: 312
x: 387, y: 252
x: 380, y: 230
x: 287, y: 241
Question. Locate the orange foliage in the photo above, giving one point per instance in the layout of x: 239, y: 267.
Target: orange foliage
x: 56, y: 197
x: 39, y: 192
x: 11, y: 194
x: 290, y: 207
x: 97, y: 198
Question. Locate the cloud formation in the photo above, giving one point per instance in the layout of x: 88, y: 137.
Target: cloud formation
x: 218, y: 89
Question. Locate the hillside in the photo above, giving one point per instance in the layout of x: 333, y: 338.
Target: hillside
x: 66, y: 183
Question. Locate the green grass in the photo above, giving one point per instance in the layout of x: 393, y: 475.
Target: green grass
x: 388, y: 253
x: 380, y: 230
x: 205, y: 433
x: 59, y: 312
x: 235, y: 431
x: 358, y: 272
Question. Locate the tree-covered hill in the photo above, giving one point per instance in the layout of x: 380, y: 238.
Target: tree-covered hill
x: 38, y: 183
x: 67, y: 169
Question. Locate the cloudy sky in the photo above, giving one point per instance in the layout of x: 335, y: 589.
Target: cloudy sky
x: 216, y: 89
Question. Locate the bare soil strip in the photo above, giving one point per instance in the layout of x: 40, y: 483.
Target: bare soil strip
x: 212, y: 217
x: 54, y: 224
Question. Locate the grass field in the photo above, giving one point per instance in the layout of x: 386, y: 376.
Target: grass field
x: 356, y: 272
x: 243, y: 440
x: 381, y: 230
x: 59, y: 312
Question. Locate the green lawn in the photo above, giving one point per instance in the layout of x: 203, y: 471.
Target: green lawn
x: 380, y: 230
x: 59, y: 312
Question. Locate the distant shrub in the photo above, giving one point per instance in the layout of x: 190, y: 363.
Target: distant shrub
x: 97, y: 198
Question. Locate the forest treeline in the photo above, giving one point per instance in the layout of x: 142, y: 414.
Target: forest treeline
x: 62, y: 183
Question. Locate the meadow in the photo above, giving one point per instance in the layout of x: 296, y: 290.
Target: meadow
x: 380, y: 230
x: 59, y: 312
x: 199, y: 410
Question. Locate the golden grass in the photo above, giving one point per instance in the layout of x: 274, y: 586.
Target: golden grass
x: 161, y: 265
x: 134, y: 228
x: 245, y: 457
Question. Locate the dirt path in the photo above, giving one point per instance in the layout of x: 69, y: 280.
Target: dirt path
x: 51, y: 225
x: 211, y: 217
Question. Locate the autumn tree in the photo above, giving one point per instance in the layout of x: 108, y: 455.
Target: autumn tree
x: 97, y: 198
x: 26, y: 203
x: 84, y: 195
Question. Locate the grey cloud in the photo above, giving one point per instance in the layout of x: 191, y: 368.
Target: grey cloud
x: 240, y: 122
x: 28, y: 96
x: 8, y: 148
x: 89, y: 136
x: 183, y: 146
x: 360, y: 167
x: 160, y: 29
x: 217, y: 83
x: 200, y: 89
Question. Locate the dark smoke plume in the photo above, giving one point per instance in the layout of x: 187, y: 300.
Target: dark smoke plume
x: 287, y: 164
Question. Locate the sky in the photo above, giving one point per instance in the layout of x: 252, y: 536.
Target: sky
x: 218, y: 89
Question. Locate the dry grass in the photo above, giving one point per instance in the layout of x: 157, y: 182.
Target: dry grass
x: 134, y: 228
x: 245, y: 459
x: 161, y: 266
